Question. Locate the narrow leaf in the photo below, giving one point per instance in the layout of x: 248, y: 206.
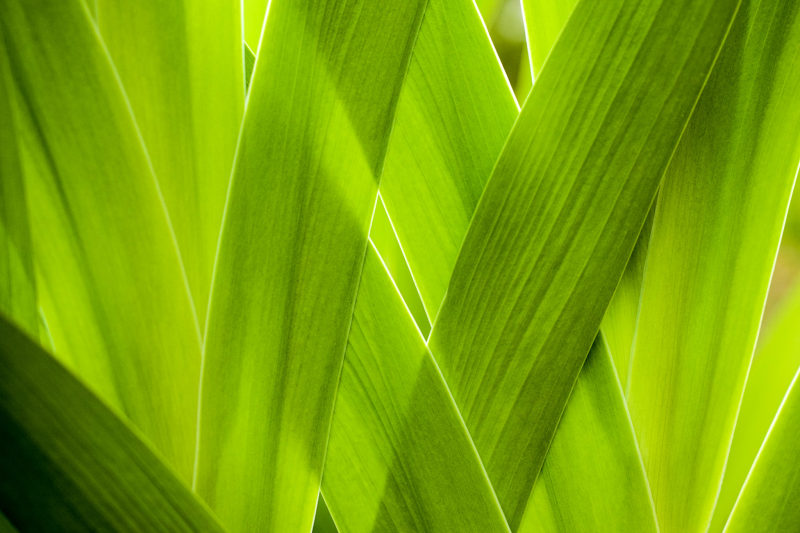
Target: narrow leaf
x: 319, y: 113
x: 399, y: 457
x: 454, y: 114
x: 181, y: 65
x: 559, y: 218
x: 715, y: 235
x: 544, y: 21
x: 111, y: 282
x: 593, y: 477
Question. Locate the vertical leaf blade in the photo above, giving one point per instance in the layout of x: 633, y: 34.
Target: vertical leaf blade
x: 291, y: 251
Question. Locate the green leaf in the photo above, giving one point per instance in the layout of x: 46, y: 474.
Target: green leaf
x: 544, y: 21
x: 775, y: 362
x: 182, y: 68
x: 319, y: 112
x: 68, y: 462
x: 253, y: 13
x: 770, y: 496
x: 399, y: 456
x: 559, y: 218
x: 715, y: 235
x: 17, y: 277
x: 593, y: 478
x: 619, y: 322
x: 383, y: 236
x: 111, y: 284
x: 454, y: 114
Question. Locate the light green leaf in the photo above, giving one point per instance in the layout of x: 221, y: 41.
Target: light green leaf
x: 544, y: 21
x: 770, y: 496
x: 182, y: 68
x: 454, y: 114
x: 383, y: 236
x: 715, y: 235
x: 593, y: 477
x: 17, y: 277
x: 775, y: 362
x: 619, y: 322
x: 319, y: 112
x: 249, y: 63
x: 559, y: 218
x: 253, y: 12
x: 399, y: 456
x: 111, y: 282
x: 68, y: 462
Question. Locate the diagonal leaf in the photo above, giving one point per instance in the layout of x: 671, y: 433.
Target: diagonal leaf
x: 774, y: 363
x: 320, y: 108
x: 399, y: 456
x: 715, y: 235
x: 17, y: 277
x: 182, y: 68
x: 452, y: 119
x: 559, y: 218
x: 111, y: 282
x: 67, y: 463
x: 383, y: 235
x: 771, y: 492
x: 593, y: 477
x: 619, y: 322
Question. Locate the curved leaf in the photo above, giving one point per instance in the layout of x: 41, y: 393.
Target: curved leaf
x: 111, y: 283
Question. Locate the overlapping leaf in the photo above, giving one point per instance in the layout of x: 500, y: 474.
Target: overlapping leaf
x: 181, y: 65
x: 715, y: 235
x: 559, y: 218
x: 400, y: 457
x: 69, y: 464
x: 111, y: 285
x: 320, y: 107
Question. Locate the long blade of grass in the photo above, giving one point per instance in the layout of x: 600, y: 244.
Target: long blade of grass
x: 771, y: 493
x: 593, y: 478
x: 774, y: 363
x: 17, y: 276
x: 454, y: 114
x: 114, y: 292
x: 290, y: 256
x: 399, y: 456
x: 69, y: 464
x: 181, y: 65
x: 716, y: 231
x: 559, y: 218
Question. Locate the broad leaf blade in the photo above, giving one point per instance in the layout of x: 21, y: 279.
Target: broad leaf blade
x: 113, y: 289
x: 399, y: 456
x: 452, y: 119
x: 181, y: 65
x: 715, y: 235
x: 593, y: 478
x: 559, y: 218
x: 69, y: 464
x: 292, y: 246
